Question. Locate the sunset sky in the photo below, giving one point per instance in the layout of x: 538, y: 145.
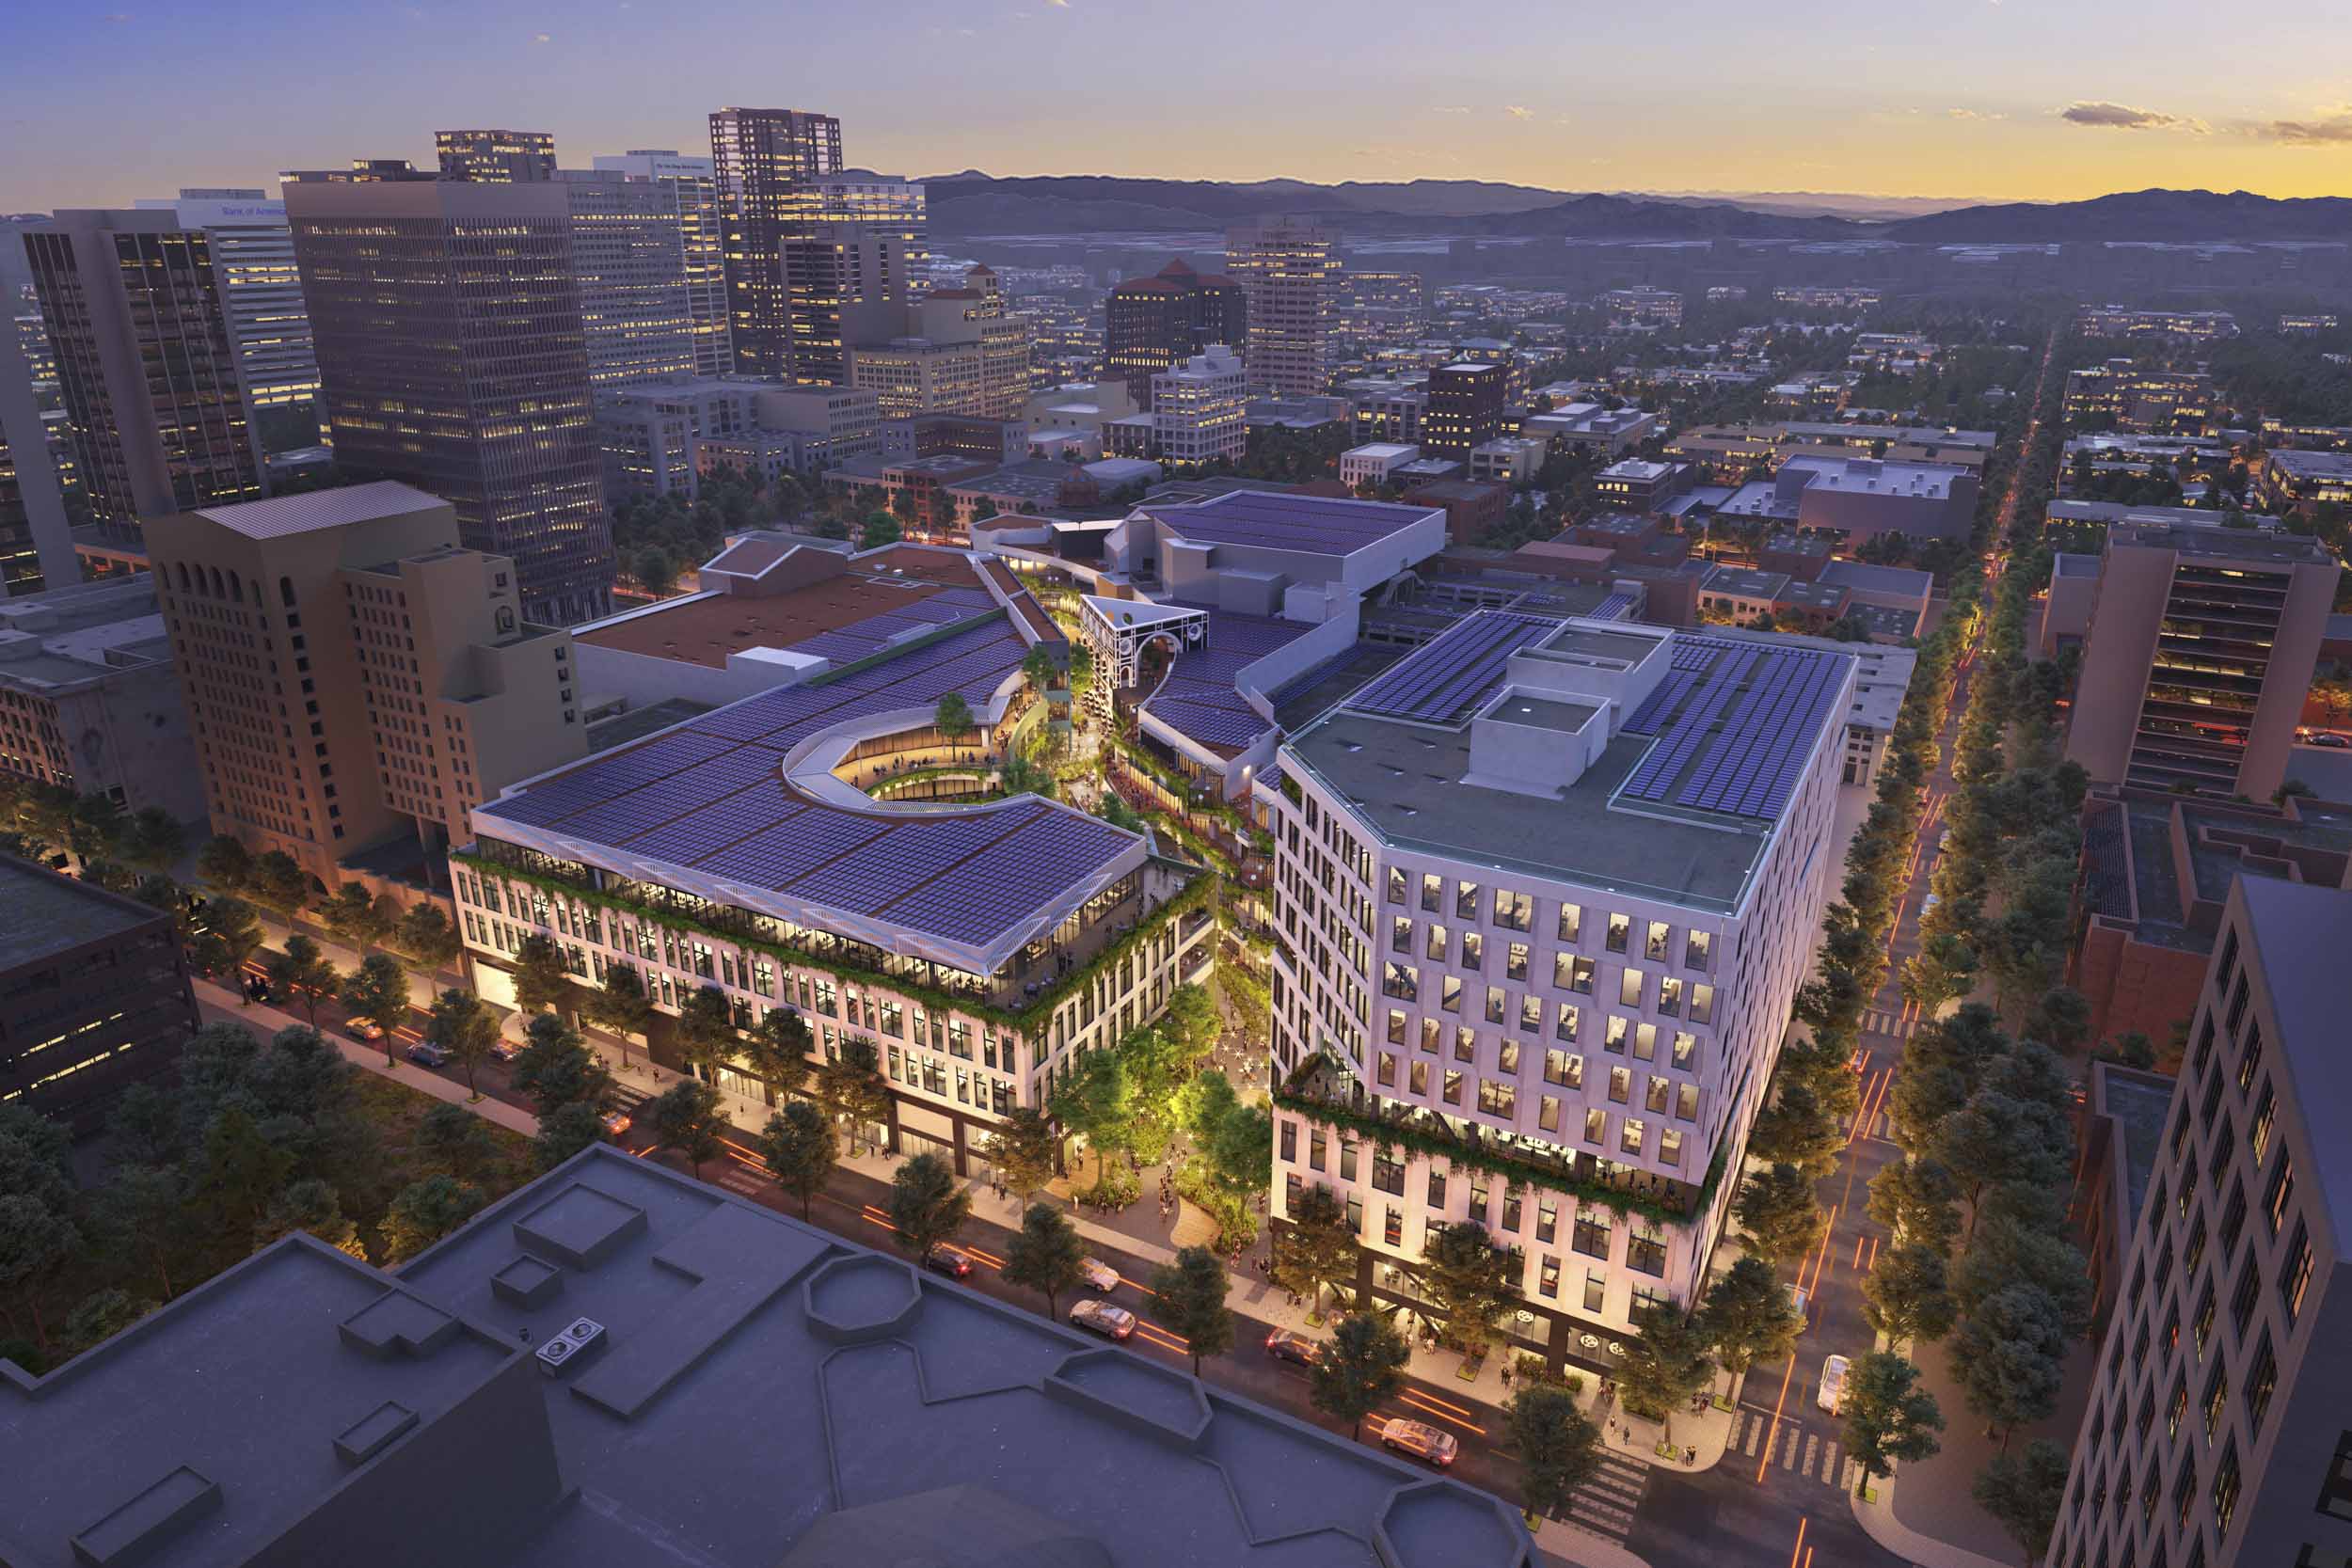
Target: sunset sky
x: 1990, y: 98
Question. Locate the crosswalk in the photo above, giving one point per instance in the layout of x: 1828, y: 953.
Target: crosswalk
x: 1604, y: 1505
x: 1786, y: 1446
x: 1894, y: 1026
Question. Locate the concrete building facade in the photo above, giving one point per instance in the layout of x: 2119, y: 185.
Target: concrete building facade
x: 694, y: 191
x: 628, y: 254
x: 261, y: 288
x: 1200, y: 408
x: 495, y: 157
x: 1155, y: 324
x: 351, y: 674
x: 852, y: 255
x: 761, y: 158
x: 2200, y: 645
x: 2216, y: 1431
x: 1289, y: 271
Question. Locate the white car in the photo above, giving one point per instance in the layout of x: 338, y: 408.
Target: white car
x: 1833, y: 1391
x: 1100, y: 1276
x: 1112, y: 1322
x: 1797, y: 1297
x: 1927, y: 905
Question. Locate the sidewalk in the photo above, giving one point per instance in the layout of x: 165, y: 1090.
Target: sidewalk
x: 1879, y: 1523
x: 269, y: 1019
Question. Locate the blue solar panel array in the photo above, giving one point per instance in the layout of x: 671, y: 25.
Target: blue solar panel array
x: 711, y: 796
x: 1738, y: 721
x: 1441, y: 680
x: 1199, y: 698
x: 1614, y: 608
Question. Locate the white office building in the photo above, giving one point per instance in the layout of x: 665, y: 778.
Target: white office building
x: 1199, y: 408
x: 253, y: 256
x: 1373, y: 462
x: 1545, y: 890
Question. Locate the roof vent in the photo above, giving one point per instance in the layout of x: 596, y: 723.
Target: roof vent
x: 577, y: 1343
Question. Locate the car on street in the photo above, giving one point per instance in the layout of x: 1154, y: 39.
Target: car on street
x: 953, y: 1261
x: 1101, y: 1317
x: 1927, y: 905
x: 1421, y: 1441
x: 1943, y: 841
x: 2333, y: 742
x: 504, y: 1050
x: 363, y: 1028
x: 425, y: 1054
x: 1798, y: 1297
x: 1285, y: 1344
x: 616, y: 1122
x: 1099, y: 1276
x: 1833, y: 1391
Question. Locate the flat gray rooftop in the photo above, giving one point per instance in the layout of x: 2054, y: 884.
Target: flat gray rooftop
x: 1407, y: 779
x: 1542, y: 713
x: 42, y: 912
x: 1594, y: 643
x: 762, y: 1395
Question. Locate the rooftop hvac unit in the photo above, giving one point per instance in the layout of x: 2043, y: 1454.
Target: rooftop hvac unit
x: 578, y: 1341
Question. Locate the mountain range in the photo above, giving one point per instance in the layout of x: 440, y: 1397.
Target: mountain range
x: 972, y: 202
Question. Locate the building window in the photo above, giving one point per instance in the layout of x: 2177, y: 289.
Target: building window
x: 2226, y: 1483
x: 1590, y: 1235
x: 1645, y: 1250
x: 2258, y: 1126
x: 1620, y: 929
x: 2279, y: 1191
x: 1698, y: 950
x: 1548, y: 1279
x: 1564, y: 1027
x: 1596, y: 1290
x: 1393, y: 1225
x: 1548, y: 1113
x: 1290, y: 1143
x: 1388, y: 1175
x: 1571, y: 922
x: 2296, y: 1276
x: 1432, y: 892
x: 1596, y: 1126
x: 1465, y: 901
x: 2262, y: 1381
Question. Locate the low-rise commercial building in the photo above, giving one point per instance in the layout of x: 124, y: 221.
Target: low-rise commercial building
x: 661, y: 440
x: 1643, y: 305
x: 1545, y: 890
x: 94, y: 994
x: 89, y: 701
x: 1856, y: 499
x: 2121, y: 394
x: 2237, y: 1238
x: 2296, y: 480
x: 1589, y: 427
x: 1507, y: 459
x: 2117, y: 321
x: 1373, y: 462
x: 1638, y: 485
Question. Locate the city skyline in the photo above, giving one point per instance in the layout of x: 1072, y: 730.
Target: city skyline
x: 2023, y: 103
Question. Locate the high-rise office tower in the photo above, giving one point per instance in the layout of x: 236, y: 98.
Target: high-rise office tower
x: 634, y: 307
x: 146, y: 366
x: 1151, y: 324
x: 702, y: 244
x: 954, y: 351
x: 761, y: 157
x: 2200, y: 647
x: 1465, y: 408
x: 851, y: 253
x: 1290, y: 271
x: 496, y: 157
x: 36, y: 543
x: 2215, y: 1428
x: 452, y: 357
x: 352, y: 675
x: 261, y: 289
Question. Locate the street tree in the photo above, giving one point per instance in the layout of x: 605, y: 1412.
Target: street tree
x: 1794, y: 1129
x: 686, y: 1116
x: 1469, y: 1283
x: 1558, y: 1446
x: 2009, y: 1358
x: 1778, y: 1214
x: 425, y: 934
x: 565, y: 1131
x: 1749, y: 1318
x: 2005, y: 1251
x: 1889, y: 1419
x: 1941, y: 970
x: 424, y: 1212
x: 879, y: 529
x: 1046, y: 1255
x: 1906, y: 1295
x: 1915, y: 1199
x: 224, y: 863
x: 34, y: 1240
x: 1024, y: 1150
x: 541, y: 981
x: 1191, y: 1292
x: 1361, y: 1363
x: 1234, y: 1140
x: 1997, y: 1140
x: 852, y: 1087
x: 776, y: 1049
x: 2061, y: 1020
x: 227, y: 934
x: 356, y: 916
x: 705, y: 1028
x: 303, y: 972
x: 378, y: 991
x: 926, y: 1204
x: 619, y: 1005
x: 142, y: 1211
x: 1192, y: 1022
x: 455, y: 1137
x: 1098, y: 1104
x: 277, y: 883
x: 1666, y: 1363
x: 2023, y: 1491
x: 462, y: 1024
x: 799, y: 1150
x: 1316, y: 1250
x: 556, y: 1068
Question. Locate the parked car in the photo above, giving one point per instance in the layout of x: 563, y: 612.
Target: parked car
x: 1421, y: 1441
x: 1943, y: 841
x: 616, y: 1122
x: 425, y: 1054
x: 1101, y: 1317
x: 1798, y: 1297
x: 363, y: 1028
x: 504, y: 1050
x: 2333, y: 742
x: 1927, y: 905
x: 1833, y: 1389
x: 953, y: 1261
x: 1286, y: 1345
x: 1100, y: 1276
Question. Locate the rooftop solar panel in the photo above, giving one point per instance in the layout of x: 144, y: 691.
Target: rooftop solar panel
x: 1015, y: 875
x: 915, y: 850
x: 776, y: 856
x: 1443, y: 678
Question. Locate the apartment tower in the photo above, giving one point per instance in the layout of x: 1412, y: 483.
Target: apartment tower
x: 147, y: 367
x: 454, y: 357
x: 2200, y: 649
x: 2218, y: 1430
x: 1289, y: 271
x: 1151, y: 324
x: 761, y: 157
x: 352, y: 675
